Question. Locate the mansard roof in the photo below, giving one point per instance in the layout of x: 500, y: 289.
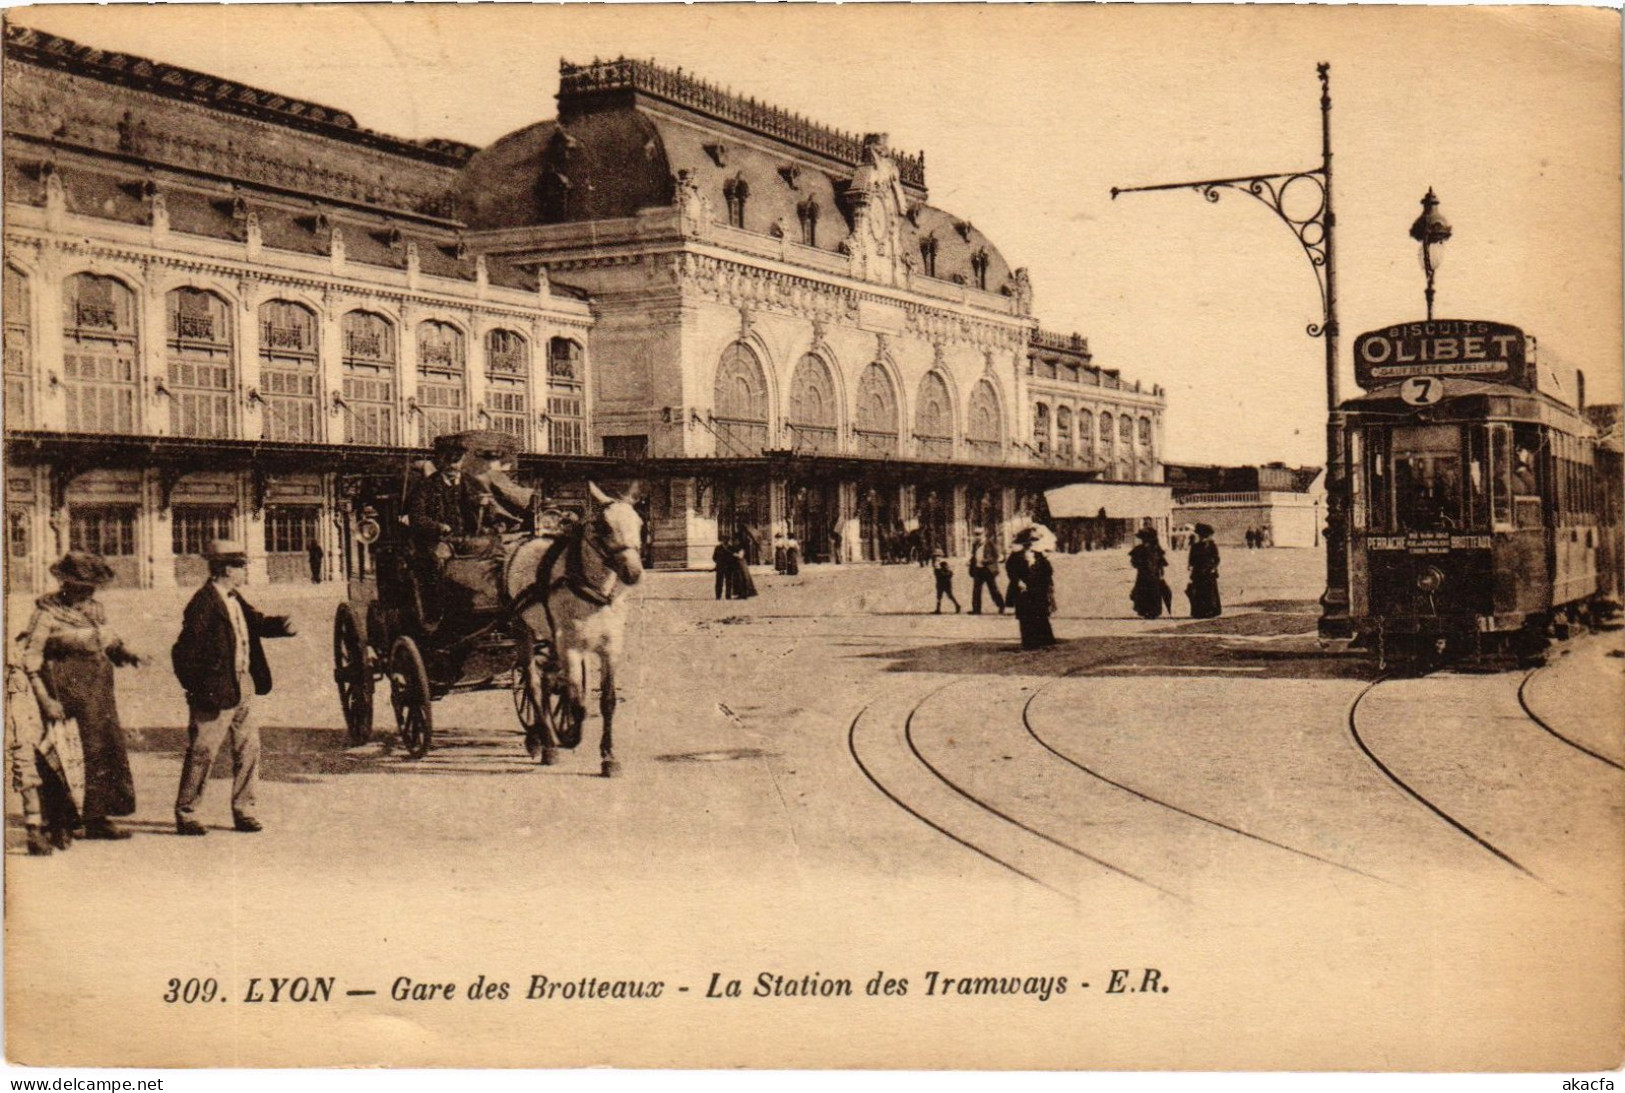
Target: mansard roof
x: 172, y: 81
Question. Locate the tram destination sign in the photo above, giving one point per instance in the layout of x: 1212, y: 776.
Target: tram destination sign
x: 1441, y: 347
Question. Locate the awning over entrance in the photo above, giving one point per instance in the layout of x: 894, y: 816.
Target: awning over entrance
x: 1117, y: 500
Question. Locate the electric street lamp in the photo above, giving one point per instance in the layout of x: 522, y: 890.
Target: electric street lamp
x: 1431, y: 230
x: 1314, y: 233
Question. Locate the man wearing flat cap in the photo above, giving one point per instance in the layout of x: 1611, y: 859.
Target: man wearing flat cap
x: 221, y: 664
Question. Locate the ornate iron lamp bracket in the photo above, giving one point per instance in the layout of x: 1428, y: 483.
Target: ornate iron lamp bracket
x: 1311, y: 231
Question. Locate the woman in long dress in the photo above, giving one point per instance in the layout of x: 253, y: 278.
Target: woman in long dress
x: 1204, y: 587
x: 68, y: 653
x: 1149, y: 564
x: 1031, y: 588
x: 744, y: 586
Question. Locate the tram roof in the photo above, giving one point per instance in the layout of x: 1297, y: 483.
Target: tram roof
x: 1466, y: 399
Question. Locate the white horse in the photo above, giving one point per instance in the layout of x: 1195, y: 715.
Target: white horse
x: 573, y: 589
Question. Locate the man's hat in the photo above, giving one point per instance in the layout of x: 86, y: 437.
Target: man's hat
x: 82, y: 567
x: 226, y: 550
x: 1146, y: 533
x: 1204, y: 529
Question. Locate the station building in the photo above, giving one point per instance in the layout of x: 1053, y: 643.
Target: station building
x: 219, y: 299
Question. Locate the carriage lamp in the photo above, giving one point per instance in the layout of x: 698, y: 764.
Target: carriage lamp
x: 1432, y: 231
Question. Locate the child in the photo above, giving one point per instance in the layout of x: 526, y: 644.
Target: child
x: 945, y: 581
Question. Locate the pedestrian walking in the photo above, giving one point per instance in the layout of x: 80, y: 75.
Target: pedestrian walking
x: 792, y: 555
x: 984, y: 573
x: 1031, y: 588
x: 944, y: 575
x: 314, y: 550
x: 744, y: 587
x: 221, y: 665
x: 779, y: 563
x: 1150, y: 592
x: 67, y: 656
x: 1203, y: 589
x: 722, y: 560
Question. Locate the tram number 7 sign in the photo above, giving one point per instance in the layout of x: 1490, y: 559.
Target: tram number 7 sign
x: 1422, y: 390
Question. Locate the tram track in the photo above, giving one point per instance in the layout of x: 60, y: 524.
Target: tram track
x: 1411, y: 791
x: 1523, y: 703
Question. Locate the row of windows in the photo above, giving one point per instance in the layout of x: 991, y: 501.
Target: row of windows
x: 102, y: 345
x: 1064, y: 420
x: 110, y: 530
x: 741, y: 413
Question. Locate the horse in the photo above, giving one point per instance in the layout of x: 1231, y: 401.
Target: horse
x: 572, y: 589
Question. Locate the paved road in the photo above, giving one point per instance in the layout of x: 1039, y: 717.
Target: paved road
x: 830, y: 779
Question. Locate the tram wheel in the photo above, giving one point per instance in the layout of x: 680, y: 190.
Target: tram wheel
x: 352, y: 671
x: 409, y: 694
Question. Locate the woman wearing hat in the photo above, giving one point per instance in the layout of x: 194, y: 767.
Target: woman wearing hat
x: 1149, y: 564
x: 68, y: 654
x: 1204, y: 587
x: 1031, y: 588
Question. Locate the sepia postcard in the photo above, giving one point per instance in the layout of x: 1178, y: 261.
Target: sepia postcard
x: 1008, y: 537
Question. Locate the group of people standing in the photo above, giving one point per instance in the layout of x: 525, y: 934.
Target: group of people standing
x: 732, y: 567
x: 70, y: 761
x: 1151, y: 595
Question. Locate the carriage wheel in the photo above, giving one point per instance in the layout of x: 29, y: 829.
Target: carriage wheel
x: 557, y: 695
x: 555, y: 707
x: 352, y: 671
x: 409, y: 694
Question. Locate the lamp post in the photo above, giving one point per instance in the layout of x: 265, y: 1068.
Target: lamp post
x: 1431, y: 230
x: 1315, y: 234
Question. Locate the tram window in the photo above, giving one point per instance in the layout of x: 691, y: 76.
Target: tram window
x: 1379, y: 491
x: 1357, y: 480
x: 1478, y: 478
x: 1501, y: 468
x: 1427, y: 478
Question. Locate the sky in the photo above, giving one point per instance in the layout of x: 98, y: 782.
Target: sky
x: 1028, y: 116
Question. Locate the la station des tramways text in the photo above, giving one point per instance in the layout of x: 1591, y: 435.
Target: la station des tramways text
x: 219, y: 301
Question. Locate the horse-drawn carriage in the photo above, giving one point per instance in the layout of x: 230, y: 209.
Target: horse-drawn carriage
x: 439, y: 608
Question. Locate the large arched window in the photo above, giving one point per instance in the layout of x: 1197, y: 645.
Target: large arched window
x: 369, y: 378
x: 19, y: 390
x: 877, y: 426
x: 507, y: 383
x: 934, y: 419
x: 814, y: 416
x: 200, y: 364
x: 1063, y: 433
x: 984, y: 439
x: 99, y: 353
x: 1125, y: 432
x: 566, y: 398
x: 290, y: 373
x: 1086, y: 436
x: 1041, y: 428
x: 1108, y: 457
x: 442, y: 378
x: 739, y: 403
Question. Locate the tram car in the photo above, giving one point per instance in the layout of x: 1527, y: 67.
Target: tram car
x: 1484, y: 520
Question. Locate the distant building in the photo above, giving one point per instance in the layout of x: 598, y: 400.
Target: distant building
x: 1285, y: 504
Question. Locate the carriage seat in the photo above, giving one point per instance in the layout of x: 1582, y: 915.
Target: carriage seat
x: 473, y: 564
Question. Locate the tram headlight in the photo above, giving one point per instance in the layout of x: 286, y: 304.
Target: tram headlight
x: 1429, y: 580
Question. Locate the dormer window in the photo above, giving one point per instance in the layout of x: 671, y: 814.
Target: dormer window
x: 978, y: 267
x: 807, y: 213
x: 736, y: 191
x: 928, y: 254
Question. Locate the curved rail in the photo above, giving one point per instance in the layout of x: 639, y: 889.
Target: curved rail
x: 1523, y: 702
x: 1354, y: 731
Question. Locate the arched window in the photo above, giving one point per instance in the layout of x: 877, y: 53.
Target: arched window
x: 736, y: 191
x: 984, y: 438
x: 566, y: 398
x: 99, y: 353
x: 1063, y: 433
x: 19, y: 389
x: 934, y: 419
x: 928, y: 254
x: 442, y: 377
x: 814, y: 417
x: 1145, y: 434
x: 1125, y: 431
x: 507, y: 384
x: 1086, y: 435
x: 739, y: 403
x: 807, y: 212
x: 1041, y: 428
x: 1108, y: 438
x: 877, y: 425
x: 200, y: 364
x: 290, y: 372
x: 369, y: 378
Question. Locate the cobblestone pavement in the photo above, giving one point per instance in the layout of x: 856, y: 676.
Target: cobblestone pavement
x: 829, y: 778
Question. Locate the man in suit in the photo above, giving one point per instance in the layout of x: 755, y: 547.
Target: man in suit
x: 221, y: 664
x: 984, y: 573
